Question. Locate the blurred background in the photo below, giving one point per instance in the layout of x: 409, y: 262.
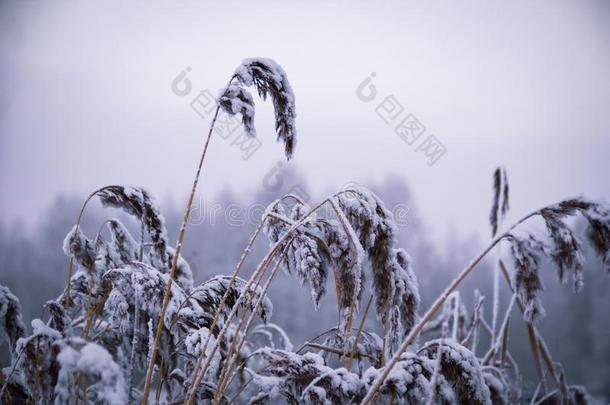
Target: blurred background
x: 419, y: 102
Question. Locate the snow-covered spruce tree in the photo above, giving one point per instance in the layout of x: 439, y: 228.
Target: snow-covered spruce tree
x: 131, y: 326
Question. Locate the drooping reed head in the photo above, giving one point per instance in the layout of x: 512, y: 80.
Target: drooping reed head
x: 269, y: 79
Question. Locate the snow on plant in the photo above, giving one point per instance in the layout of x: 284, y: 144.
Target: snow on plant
x: 139, y: 203
x: 500, y: 204
x: 10, y: 314
x: 93, y: 363
x: 33, y: 372
x: 131, y: 325
x: 300, y: 378
x: 461, y: 368
x: 411, y: 380
x: 394, y: 283
x: 359, y: 227
x: 565, y: 249
x: 304, y: 258
x: 269, y: 79
x: 527, y: 252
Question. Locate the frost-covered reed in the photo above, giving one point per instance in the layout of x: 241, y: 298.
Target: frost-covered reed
x: 131, y: 304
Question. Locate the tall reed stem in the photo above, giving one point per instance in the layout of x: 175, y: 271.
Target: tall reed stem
x: 225, y: 382
x: 229, y: 352
x: 197, y: 377
x: 71, y: 261
x: 357, y: 336
x: 370, y: 395
x: 501, y: 332
x: 221, y: 305
x: 496, y: 294
x: 166, y: 298
x: 231, y: 281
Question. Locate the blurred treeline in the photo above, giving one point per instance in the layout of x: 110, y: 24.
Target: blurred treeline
x: 576, y: 328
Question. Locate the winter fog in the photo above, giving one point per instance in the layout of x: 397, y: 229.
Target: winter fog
x: 425, y: 105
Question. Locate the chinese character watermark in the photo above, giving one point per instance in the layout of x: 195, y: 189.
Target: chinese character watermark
x: 227, y: 127
x: 405, y: 124
x: 273, y: 181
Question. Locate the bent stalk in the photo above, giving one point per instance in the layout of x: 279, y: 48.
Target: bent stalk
x: 166, y: 297
x: 432, y: 310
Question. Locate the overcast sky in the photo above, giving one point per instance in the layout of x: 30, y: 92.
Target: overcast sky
x: 86, y: 98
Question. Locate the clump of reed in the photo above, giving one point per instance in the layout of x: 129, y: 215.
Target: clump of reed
x: 132, y: 325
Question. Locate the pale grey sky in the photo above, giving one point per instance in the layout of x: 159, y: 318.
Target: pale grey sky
x: 85, y: 98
